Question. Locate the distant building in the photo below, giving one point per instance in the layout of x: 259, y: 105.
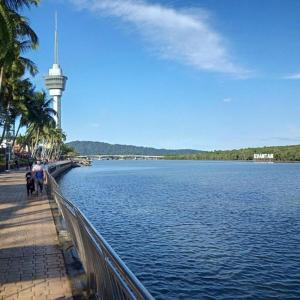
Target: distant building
x: 263, y: 157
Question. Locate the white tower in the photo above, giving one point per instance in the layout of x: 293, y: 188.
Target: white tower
x: 55, y: 81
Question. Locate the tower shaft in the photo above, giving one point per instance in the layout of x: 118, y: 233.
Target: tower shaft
x: 57, y: 108
x: 55, y: 81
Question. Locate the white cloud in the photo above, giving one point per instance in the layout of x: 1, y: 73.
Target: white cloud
x: 227, y: 100
x: 184, y: 36
x: 295, y: 76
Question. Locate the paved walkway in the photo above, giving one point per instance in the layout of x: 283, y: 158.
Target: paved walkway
x: 31, y: 263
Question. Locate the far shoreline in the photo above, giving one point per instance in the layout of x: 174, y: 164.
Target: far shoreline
x: 209, y: 160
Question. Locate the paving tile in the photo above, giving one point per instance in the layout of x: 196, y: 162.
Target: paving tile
x: 31, y: 263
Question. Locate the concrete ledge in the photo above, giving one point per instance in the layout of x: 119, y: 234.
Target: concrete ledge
x: 58, y: 168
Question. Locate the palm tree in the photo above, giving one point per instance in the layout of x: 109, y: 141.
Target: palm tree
x: 15, y: 101
x: 23, y: 111
x: 40, y: 120
x: 16, y: 35
x: 52, y: 143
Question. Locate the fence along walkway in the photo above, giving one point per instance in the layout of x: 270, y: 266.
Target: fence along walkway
x: 31, y: 263
x: 107, y: 275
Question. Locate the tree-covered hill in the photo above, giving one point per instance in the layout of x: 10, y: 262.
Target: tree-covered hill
x: 281, y: 153
x: 92, y: 148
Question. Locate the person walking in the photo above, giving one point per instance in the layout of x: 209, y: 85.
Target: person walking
x: 39, y: 176
x: 29, y: 183
x: 17, y: 163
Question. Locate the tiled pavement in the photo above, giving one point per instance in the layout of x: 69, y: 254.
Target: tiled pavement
x: 31, y: 263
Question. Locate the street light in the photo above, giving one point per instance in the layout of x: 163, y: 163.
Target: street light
x: 8, y: 142
x: 7, y: 155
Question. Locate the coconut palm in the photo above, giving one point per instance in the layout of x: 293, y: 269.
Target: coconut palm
x: 52, y: 143
x: 41, y: 119
x: 15, y: 102
x: 16, y: 35
x: 23, y: 112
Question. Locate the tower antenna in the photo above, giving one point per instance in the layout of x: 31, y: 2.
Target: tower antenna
x: 55, y: 41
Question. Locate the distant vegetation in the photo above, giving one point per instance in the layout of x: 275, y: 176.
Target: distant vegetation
x: 93, y: 148
x: 281, y: 153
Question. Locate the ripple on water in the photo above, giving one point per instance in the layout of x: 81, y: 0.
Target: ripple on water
x: 198, y: 230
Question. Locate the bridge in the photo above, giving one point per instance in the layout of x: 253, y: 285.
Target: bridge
x: 125, y: 157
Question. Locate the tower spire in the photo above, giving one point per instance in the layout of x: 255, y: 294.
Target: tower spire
x: 55, y: 80
x: 55, y: 40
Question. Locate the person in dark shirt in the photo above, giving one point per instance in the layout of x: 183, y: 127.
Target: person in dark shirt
x: 29, y: 183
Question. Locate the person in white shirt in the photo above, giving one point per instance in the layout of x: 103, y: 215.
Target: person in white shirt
x: 39, y: 176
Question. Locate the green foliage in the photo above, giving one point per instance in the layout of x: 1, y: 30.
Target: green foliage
x: 16, y: 37
x: 281, y: 153
x: 67, y: 150
x: 96, y: 148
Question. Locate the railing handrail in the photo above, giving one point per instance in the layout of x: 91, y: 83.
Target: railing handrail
x: 125, y: 277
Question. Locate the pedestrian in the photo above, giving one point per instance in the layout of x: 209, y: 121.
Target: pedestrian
x: 39, y: 176
x: 17, y: 163
x: 29, y: 183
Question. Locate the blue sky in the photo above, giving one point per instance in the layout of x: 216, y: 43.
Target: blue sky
x: 177, y: 73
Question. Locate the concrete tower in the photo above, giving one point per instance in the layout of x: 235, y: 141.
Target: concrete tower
x: 55, y: 80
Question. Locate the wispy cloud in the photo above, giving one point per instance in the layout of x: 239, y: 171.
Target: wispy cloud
x: 227, y: 100
x: 184, y: 36
x: 295, y: 76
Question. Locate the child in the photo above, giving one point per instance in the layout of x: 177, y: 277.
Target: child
x: 29, y: 183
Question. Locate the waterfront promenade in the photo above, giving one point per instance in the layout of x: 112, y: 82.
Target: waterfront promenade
x: 31, y: 262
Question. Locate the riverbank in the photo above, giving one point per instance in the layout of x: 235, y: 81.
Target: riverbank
x: 32, y: 265
x: 236, y: 160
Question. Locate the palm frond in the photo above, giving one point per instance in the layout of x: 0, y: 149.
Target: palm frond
x: 29, y: 65
x: 18, y: 4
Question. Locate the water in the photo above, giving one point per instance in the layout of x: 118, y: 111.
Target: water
x: 198, y: 230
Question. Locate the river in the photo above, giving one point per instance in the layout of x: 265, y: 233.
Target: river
x: 198, y: 229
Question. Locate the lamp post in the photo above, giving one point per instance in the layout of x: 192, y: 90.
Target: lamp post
x: 8, y: 142
x: 7, y: 155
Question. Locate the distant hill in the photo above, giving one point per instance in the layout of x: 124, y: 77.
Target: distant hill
x: 281, y: 153
x: 92, y: 148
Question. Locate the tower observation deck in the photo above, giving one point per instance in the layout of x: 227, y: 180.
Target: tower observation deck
x: 55, y: 81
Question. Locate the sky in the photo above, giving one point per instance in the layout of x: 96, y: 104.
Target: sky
x: 200, y: 74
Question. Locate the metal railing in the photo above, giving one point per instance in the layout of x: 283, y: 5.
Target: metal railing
x: 107, y: 275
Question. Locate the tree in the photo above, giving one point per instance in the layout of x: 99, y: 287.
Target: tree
x: 16, y: 36
x: 40, y: 120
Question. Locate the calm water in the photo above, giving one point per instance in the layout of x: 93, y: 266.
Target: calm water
x: 198, y: 230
